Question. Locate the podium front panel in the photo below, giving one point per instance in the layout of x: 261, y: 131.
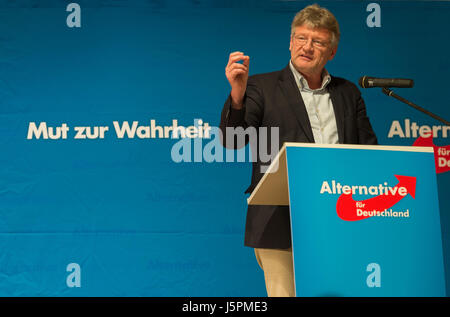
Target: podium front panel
x: 364, y: 222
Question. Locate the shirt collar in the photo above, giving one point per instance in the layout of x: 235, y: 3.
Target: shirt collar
x: 303, y: 84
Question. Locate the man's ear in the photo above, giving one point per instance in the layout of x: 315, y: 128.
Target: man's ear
x: 333, y: 52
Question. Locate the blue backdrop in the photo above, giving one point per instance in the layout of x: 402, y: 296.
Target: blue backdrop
x: 134, y: 221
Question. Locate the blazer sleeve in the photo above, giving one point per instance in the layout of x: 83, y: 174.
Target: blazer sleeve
x: 250, y: 115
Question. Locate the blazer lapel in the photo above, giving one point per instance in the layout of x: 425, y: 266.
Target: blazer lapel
x: 339, y: 110
x: 295, y: 101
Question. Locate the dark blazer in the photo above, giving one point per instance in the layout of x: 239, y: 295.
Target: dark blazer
x: 274, y: 100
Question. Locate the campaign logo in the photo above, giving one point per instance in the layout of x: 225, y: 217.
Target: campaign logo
x: 385, y: 198
x: 441, y: 153
x: 424, y: 135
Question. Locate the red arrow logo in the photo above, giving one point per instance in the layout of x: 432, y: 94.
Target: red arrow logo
x: 347, y: 208
x: 441, y: 153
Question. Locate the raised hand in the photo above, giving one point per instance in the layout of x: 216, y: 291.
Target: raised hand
x: 237, y: 75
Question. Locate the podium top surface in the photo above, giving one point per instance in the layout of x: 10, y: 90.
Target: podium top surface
x: 423, y: 149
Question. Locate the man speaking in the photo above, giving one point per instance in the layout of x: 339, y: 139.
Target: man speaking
x: 306, y: 104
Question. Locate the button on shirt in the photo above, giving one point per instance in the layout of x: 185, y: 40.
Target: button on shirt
x: 319, y: 107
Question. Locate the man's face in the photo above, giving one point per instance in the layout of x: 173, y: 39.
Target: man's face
x: 311, y: 49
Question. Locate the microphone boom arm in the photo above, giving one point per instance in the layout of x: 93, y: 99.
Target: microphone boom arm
x: 390, y: 93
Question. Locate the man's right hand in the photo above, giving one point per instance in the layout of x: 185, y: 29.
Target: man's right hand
x: 237, y: 75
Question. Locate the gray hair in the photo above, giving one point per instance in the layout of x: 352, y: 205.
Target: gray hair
x: 315, y: 16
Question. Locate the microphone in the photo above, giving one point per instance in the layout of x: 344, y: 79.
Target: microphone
x: 370, y: 82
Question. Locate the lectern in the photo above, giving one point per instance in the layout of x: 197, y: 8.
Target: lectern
x: 364, y: 219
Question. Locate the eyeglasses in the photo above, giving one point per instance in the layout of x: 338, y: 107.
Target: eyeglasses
x: 302, y: 40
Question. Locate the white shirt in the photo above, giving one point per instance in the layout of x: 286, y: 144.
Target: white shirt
x: 319, y: 107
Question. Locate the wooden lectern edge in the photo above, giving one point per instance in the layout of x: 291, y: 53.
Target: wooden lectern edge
x: 275, y: 163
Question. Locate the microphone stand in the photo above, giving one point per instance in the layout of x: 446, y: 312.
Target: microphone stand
x: 390, y: 93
